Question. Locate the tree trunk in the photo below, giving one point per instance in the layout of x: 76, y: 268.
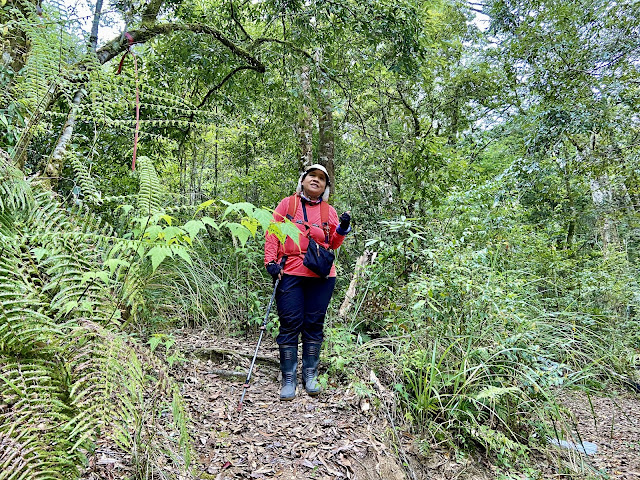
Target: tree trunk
x: 304, y: 132
x: 93, y: 38
x: 602, y: 197
x: 55, y: 164
x: 571, y: 227
x: 326, y: 139
x: 365, y: 259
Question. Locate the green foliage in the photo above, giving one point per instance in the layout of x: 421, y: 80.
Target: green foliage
x: 467, y: 394
x: 495, y: 173
x: 497, y: 317
x: 68, y: 376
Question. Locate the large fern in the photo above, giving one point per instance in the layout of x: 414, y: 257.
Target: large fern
x: 68, y: 377
x: 149, y: 197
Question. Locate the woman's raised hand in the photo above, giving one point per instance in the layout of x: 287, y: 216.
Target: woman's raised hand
x: 345, y: 220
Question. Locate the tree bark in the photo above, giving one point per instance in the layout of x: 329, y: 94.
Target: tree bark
x: 55, y: 164
x: 602, y: 197
x: 304, y: 128
x: 367, y: 258
x: 326, y: 138
x: 120, y: 44
x: 601, y: 194
x: 93, y: 38
x: 571, y: 227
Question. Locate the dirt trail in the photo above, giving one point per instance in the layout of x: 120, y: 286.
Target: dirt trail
x: 613, y: 425
x: 329, y: 436
x: 338, y: 435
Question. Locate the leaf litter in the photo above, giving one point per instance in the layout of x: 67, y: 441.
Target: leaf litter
x: 323, y: 437
x: 337, y: 435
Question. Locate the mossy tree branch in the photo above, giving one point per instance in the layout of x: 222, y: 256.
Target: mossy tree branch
x: 120, y: 44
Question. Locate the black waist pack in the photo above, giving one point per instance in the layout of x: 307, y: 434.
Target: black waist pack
x: 318, y: 259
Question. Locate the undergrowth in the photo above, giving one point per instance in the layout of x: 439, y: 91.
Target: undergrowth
x: 475, y: 320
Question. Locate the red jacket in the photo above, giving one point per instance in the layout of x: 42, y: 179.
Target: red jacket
x: 274, y: 250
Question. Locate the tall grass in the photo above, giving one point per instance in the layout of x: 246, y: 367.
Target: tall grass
x: 495, y: 318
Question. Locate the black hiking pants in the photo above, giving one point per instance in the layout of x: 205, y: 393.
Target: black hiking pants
x: 302, y: 305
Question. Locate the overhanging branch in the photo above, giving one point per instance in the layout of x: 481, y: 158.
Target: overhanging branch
x: 120, y: 44
x: 222, y: 82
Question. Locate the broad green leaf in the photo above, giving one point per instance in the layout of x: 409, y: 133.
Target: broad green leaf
x: 211, y: 222
x: 204, y: 205
x: 171, y: 233
x: 158, y: 254
x: 68, y: 306
x: 193, y: 227
x: 241, y: 232
x: 91, y: 276
x: 234, y: 207
x: 290, y: 230
x: 263, y: 216
x: 182, y: 253
x: 153, y: 232
x: 154, y: 341
x: 251, y: 224
x: 114, y: 263
x: 166, y: 218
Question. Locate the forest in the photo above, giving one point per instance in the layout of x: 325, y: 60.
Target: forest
x: 489, y: 154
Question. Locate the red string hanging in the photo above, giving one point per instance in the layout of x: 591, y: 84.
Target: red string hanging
x: 135, y: 67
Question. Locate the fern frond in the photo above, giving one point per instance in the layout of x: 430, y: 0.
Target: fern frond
x: 65, y: 380
x: 15, y: 193
x: 150, y: 188
x: 87, y: 185
x: 31, y: 410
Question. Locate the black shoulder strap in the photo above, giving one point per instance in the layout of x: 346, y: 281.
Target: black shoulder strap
x: 306, y: 223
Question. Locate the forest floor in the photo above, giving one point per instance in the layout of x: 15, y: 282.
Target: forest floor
x: 334, y: 435
x: 612, y: 424
x: 341, y: 435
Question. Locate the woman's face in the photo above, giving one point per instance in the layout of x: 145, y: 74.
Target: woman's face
x: 314, y: 184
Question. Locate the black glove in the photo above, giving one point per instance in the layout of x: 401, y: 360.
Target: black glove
x: 274, y: 269
x: 345, y: 220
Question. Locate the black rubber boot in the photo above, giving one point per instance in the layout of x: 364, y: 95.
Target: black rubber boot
x: 310, y: 360
x: 289, y: 369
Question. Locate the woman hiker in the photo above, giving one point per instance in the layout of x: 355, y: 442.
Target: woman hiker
x: 303, y: 296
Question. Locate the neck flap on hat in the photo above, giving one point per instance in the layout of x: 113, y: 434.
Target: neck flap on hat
x: 308, y: 200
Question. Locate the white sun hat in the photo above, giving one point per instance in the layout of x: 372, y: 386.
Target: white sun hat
x: 316, y: 166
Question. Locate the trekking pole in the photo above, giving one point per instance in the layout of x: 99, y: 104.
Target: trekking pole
x: 263, y: 327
